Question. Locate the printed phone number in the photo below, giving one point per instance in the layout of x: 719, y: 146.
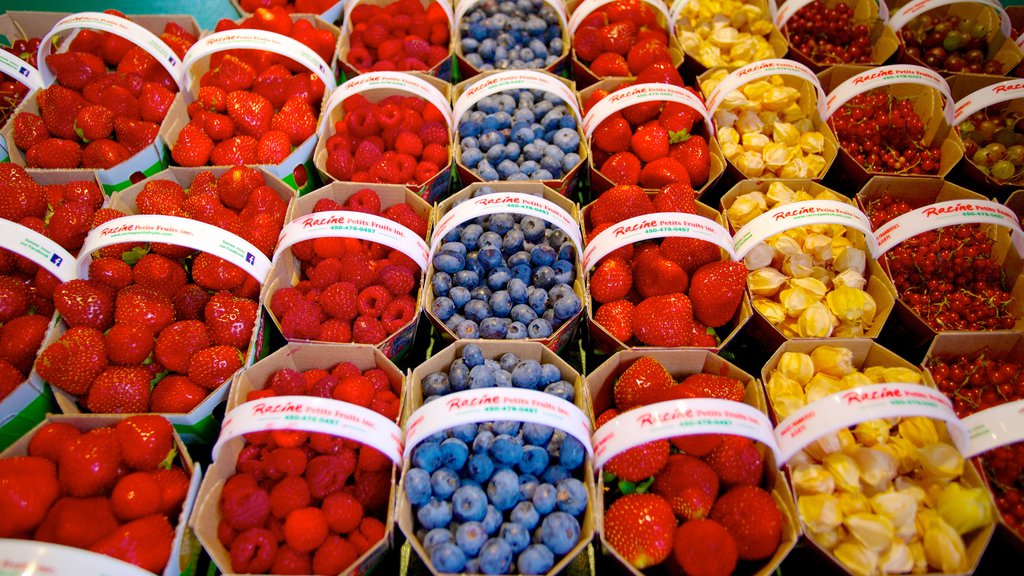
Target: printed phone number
x: 522, y: 409
x: 363, y: 229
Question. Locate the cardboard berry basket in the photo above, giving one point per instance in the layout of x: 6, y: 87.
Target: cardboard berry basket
x: 467, y: 70
x: 939, y: 204
x: 442, y: 70
x: 297, y: 169
x: 525, y: 198
x: 674, y: 418
x: 305, y: 225
x: 199, y: 424
x: 421, y: 421
x: 305, y: 413
x: 376, y: 86
x: 318, y: 21
x: 331, y: 14
x: 989, y: 13
x: 932, y: 102
x: 1015, y: 202
x: 579, y: 10
x: 871, y: 13
x: 61, y: 560
x: 466, y: 94
x: 811, y: 103
x: 16, y: 26
x: 142, y: 31
x: 826, y: 427
x: 749, y: 242
x: 695, y: 21
x: 706, y: 225
x: 620, y: 98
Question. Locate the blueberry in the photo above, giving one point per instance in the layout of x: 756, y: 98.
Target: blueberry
x: 492, y: 520
x: 488, y: 174
x: 537, y: 434
x: 472, y: 566
x: 572, y: 496
x: 454, y: 453
x: 448, y: 557
x: 542, y: 255
x: 567, y: 140
x: 435, y: 383
x: 449, y: 262
x: 539, y: 328
x: 481, y: 377
x: 470, y: 537
x: 536, y: 559
x: 459, y: 296
x: 470, y: 235
x: 500, y: 224
x: 550, y: 163
x: 443, y: 308
x: 544, y: 174
x: 545, y: 497
x: 481, y: 293
x: 507, y: 166
x: 508, y: 361
x: 427, y: 456
x: 435, y: 514
x: 437, y: 536
x: 516, y: 331
x: 489, y: 258
x: 501, y: 303
x: 495, y: 154
x: 480, y: 467
x: 512, y: 242
x: 517, y: 291
x: 471, y: 157
x: 550, y: 120
x: 549, y: 373
x: 512, y: 152
x: 503, y: 378
x: 469, y: 503
x: 538, y: 301
x: 510, y: 427
x: 527, y: 484
x: 477, y: 310
x: 554, y: 474
x: 494, y: 329
x: 560, y: 532
x: 517, y: 536
x: 466, y: 278
x: 417, y: 486
x: 522, y: 272
x: 523, y: 136
x: 564, y: 272
x: 534, y: 460
x: 443, y: 483
x: 499, y: 277
x: 469, y: 128
x: 522, y: 313
x: 569, y: 161
x: 482, y: 442
x: 503, y: 489
x: 495, y: 557
x: 533, y: 152
x: 562, y: 389
x: 567, y: 307
x: 525, y: 514
x: 507, y: 450
x: 458, y: 376
x: 464, y: 433
x: 489, y: 239
x: 468, y: 330
x: 441, y: 283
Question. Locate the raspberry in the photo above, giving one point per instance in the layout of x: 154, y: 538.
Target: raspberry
x: 283, y: 300
x: 367, y: 330
x: 335, y: 330
x: 288, y: 438
x: 324, y: 387
x: 365, y: 200
x: 409, y: 143
x: 340, y: 165
x: 305, y: 529
x: 329, y: 270
x: 283, y: 462
x: 289, y: 494
x: 313, y: 376
x: 238, y: 484
x: 327, y: 205
x: 389, y: 51
x: 378, y: 377
x: 368, y: 153
x: 334, y: 556
x: 433, y: 133
x: 357, y: 269
x: 424, y: 172
x: 397, y: 279
x: 372, y: 460
x: 386, y: 404
x: 389, y: 116
x: 360, y: 542
x: 245, y: 509
x: 373, y: 490
x: 404, y: 261
x: 343, y: 511
x: 302, y: 321
x: 253, y: 551
x: 355, y: 390
x: 344, y: 369
x: 373, y: 301
x: 225, y: 533
x: 404, y: 214
x: 325, y: 443
x: 291, y: 561
x: 372, y: 528
x: 361, y: 122
x: 339, y: 300
x: 398, y: 313
x: 326, y: 474
x: 416, y: 47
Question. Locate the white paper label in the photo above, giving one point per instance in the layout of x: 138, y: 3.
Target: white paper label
x: 21, y: 71
x: 949, y: 213
x: 180, y: 232
x: 37, y: 248
x: 586, y: 7
x: 346, y: 27
x: 514, y: 80
x: 680, y: 418
x: 115, y: 25
x: 909, y: 11
x: 258, y: 40
x: 313, y: 414
x: 796, y: 214
x: 463, y: 6
x: 620, y: 99
x: 756, y: 70
x: 987, y: 96
x: 345, y: 224
x: 887, y: 76
x: 491, y: 404
x: 993, y: 428
x: 851, y: 407
x: 30, y: 558
x: 508, y: 203
x: 653, y: 226
x: 399, y: 81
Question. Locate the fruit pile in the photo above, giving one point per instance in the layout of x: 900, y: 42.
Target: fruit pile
x: 994, y: 143
x: 652, y: 144
x: 504, y: 35
x: 492, y: 494
x: 63, y: 213
x: 887, y: 496
x: 519, y: 135
x: 164, y: 314
x: 668, y: 293
x: 711, y: 484
x: 622, y: 38
x: 829, y: 35
x: 950, y: 276
x: 400, y: 35
x: 12, y: 91
x: 351, y: 290
x: 116, y: 490
x: 398, y: 140
x: 883, y: 133
x: 107, y: 103
x: 807, y: 281
x: 308, y: 503
x: 765, y: 132
x: 276, y: 19
x: 298, y: 6
x: 950, y: 44
x: 725, y: 32
x: 507, y: 276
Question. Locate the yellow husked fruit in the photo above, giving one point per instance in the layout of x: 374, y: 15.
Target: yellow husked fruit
x: 852, y: 305
x: 798, y: 266
x: 816, y: 321
x: 897, y: 559
x: 965, y: 509
x: 873, y: 531
x: 822, y: 385
x: 833, y: 360
x: 844, y: 471
x: 820, y: 512
x: 812, y: 479
x: 919, y: 431
x: 856, y: 557
x: 899, y: 374
x: 797, y: 366
x: 770, y: 309
x: 872, y: 432
x: 943, y: 547
x: 877, y: 468
x: 795, y: 301
x: 765, y: 281
x: 940, y: 461
x: 745, y: 208
x: 898, y: 506
x: 760, y: 255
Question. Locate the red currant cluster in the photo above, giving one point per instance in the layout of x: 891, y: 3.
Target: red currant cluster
x: 883, y: 133
x: 947, y: 276
x: 12, y: 91
x: 1005, y: 468
x: 829, y: 35
x: 950, y: 43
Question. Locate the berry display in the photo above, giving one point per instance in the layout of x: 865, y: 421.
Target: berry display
x: 504, y: 276
x: 308, y: 501
x: 405, y: 35
x: 994, y: 143
x: 725, y: 32
x: 298, y: 6
x: 622, y: 38
x: 950, y: 43
x: 116, y: 490
x: 830, y: 35
x: 492, y: 495
x: 351, y: 290
x: 949, y: 276
x: 504, y: 35
x: 12, y: 91
x: 520, y: 135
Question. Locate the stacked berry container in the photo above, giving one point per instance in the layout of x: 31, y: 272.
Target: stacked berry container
x: 328, y: 10
x: 397, y: 35
x: 492, y: 35
x: 985, y: 117
x: 825, y: 33
x: 497, y: 480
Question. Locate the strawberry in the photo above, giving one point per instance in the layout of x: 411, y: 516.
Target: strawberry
x: 20, y: 339
x: 611, y: 280
x: 662, y: 172
x: 78, y: 522
x: 716, y: 290
x: 704, y: 548
x: 618, y: 37
x: 74, y: 360
x: 215, y: 273
x: 94, y: 122
x: 213, y: 366
x: 176, y: 395
x: 612, y: 135
x: 617, y: 318
x: 645, y: 376
x: 154, y: 102
x: 736, y: 461
x: 135, y: 134
x: 587, y: 42
x: 136, y: 495
x: 693, y: 154
x: 640, y: 528
x: 678, y: 119
x: 753, y: 518
x: 70, y: 224
x: 129, y: 344
x: 646, y: 52
x: 174, y: 486
x: 146, y: 440
x: 649, y: 142
x: 273, y: 147
x: 235, y: 151
x: 90, y: 464
x: 58, y: 107
x: 75, y: 69
x: 640, y: 462
x: 699, y: 444
x: 691, y: 254
x: 104, y: 154
x: 642, y: 113
x: 14, y: 298
x: 28, y: 486
x: 665, y: 320
x: 193, y: 146
x: 609, y: 64
x: 660, y: 72
x: 296, y: 119
x: 715, y: 386
x: 145, y: 542
x: 655, y: 275
x: 689, y: 485
x: 144, y: 306
x: 54, y: 153
x: 177, y: 343
x: 119, y: 390
x: 29, y: 130
x: 618, y: 204
x: 159, y: 273
x: 622, y: 168
x: 230, y: 320
x: 230, y: 74
x: 676, y: 197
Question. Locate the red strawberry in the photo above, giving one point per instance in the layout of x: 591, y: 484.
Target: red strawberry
x: 154, y: 102
x: 74, y: 360
x: 617, y: 318
x: 215, y: 273
x: 676, y: 197
x: 136, y: 495
x: 296, y: 119
x: 678, y: 119
x: 587, y: 42
x: 691, y: 254
x: 177, y: 343
x: 213, y: 366
x: 640, y: 462
x: 622, y: 168
x: 58, y: 107
x: 159, y: 273
x: 28, y: 486
x: 90, y: 464
x: 20, y: 339
x: 235, y: 151
x: 650, y: 142
x: 174, y: 486
x: 129, y: 344
x: 135, y: 134
x: 104, y: 154
x: 704, y: 548
x: 699, y: 444
x: 618, y: 38
x: 640, y: 528
x: 689, y: 485
x: 145, y: 542
x: 119, y: 390
x: 273, y: 147
x: 146, y: 440
x: 645, y: 376
x: 609, y: 64
x: 94, y: 122
x: 660, y: 72
x: 611, y: 280
x: 618, y: 204
x: 716, y: 290
x: 715, y: 386
x: 646, y: 52
x: 29, y: 130
x: 665, y: 320
x: 75, y: 69
x: 78, y: 522
x: 736, y: 461
x: 654, y: 275
x: 662, y: 172
x: 693, y: 154
x: 14, y: 298
x: 230, y: 320
x: 54, y: 153
x: 193, y: 146
x: 176, y: 395
x: 144, y: 306
x: 753, y: 518
x: 642, y: 113
x: 70, y: 224
x: 612, y: 135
